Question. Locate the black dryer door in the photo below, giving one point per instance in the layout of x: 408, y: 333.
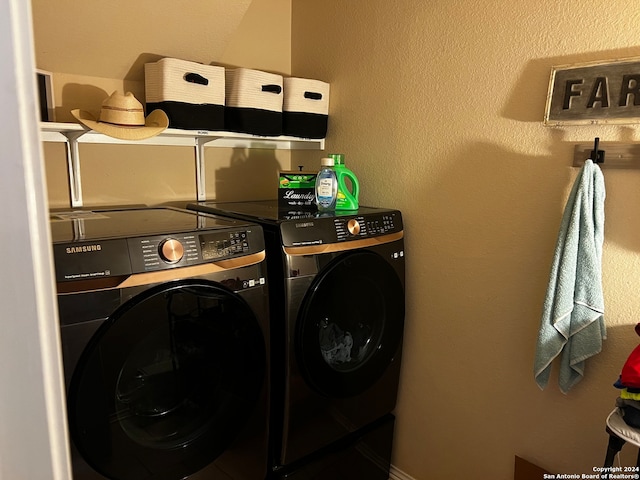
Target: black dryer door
x: 167, y: 382
x: 350, y: 324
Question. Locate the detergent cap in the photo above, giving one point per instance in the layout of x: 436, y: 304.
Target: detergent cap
x: 338, y: 158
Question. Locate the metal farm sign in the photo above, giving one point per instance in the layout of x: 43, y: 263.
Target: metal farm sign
x: 594, y: 93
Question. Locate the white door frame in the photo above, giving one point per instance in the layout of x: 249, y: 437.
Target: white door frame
x: 33, y: 433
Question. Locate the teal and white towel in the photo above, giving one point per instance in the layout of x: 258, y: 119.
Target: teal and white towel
x: 573, y: 312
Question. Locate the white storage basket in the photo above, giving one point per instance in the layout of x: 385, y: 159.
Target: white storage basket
x: 305, y: 109
x: 191, y: 94
x: 253, y: 102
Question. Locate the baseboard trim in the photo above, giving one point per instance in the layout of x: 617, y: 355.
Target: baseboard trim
x: 397, y: 474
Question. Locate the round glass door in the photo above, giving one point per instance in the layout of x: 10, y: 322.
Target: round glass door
x: 167, y: 382
x: 350, y: 324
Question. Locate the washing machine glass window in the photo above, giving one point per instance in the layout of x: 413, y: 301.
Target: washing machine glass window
x: 350, y: 324
x: 180, y: 365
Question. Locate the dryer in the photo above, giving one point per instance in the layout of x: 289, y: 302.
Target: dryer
x: 165, y: 340
x: 337, y: 319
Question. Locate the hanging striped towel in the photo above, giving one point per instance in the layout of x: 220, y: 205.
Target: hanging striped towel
x: 573, y: 313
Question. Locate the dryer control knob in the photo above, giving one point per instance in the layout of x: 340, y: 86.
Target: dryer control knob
x: 171, y: 250
x: 353, y: 226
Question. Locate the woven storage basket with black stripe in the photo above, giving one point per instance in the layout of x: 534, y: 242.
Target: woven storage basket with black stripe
x: 305, y: 109
x: 253, y: 102
x: 191, y: 94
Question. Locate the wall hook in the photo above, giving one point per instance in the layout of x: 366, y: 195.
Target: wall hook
x: 597, y: 155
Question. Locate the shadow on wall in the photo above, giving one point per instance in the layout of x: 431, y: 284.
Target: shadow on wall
x: 502, y: 196
x: 493, y: 219
x: 252, y: 174
x: 90, y: 98
x: 83, y: 97
x: 136, y: 71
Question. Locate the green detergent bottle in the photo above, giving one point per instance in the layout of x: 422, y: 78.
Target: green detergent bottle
x: 348, y: 186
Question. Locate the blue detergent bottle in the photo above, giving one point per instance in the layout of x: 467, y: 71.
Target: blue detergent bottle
x: 348, y: 186
x: 326, y: 186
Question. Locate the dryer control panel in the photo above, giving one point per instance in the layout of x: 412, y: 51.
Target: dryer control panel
x: 340, y: 227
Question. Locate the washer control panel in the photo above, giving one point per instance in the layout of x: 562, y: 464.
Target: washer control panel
x: 161, y: 252
x: 125, y: 256
x: 215, y: 247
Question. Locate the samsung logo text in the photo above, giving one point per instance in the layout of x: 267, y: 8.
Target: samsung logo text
x: 84, y: 249
x: 304, y: 225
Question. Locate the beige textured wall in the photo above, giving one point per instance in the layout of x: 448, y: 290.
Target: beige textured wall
x: 92, y: 52
x: 438, y: 107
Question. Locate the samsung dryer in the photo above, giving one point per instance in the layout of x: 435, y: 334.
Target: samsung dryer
x: 165, y: 340
x: 337, y: 317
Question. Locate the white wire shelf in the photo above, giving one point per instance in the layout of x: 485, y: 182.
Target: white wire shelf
x: 73, y: 134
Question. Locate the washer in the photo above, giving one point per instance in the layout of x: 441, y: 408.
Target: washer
x: 337, y: 318
x: 165, y: 340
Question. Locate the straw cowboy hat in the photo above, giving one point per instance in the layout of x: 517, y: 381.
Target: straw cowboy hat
x: 122, y: 116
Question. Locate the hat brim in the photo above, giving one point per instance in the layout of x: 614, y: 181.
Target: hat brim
x: 156, y: 122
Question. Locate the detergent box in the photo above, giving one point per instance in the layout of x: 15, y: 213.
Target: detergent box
x: 297, y: 190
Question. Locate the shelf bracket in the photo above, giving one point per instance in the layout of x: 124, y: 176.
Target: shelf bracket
x: 201, y: 188
x: 73, y: 166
